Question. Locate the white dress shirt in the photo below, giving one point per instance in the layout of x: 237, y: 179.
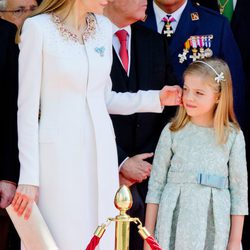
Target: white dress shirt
x: 234, y: 3
x: 160, y: 14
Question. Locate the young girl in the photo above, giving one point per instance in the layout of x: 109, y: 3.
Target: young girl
x: 197, y: 195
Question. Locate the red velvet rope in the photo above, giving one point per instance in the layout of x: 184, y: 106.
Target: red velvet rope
x: 153, y: 244
x: 93, y: 243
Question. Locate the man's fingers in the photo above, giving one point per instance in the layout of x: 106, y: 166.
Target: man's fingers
x: 146, y: 167
x: 143, y: 177
x: 145, y: 156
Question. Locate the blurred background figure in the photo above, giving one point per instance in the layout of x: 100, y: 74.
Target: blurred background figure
x: 212, y: 4
x: 12, y: 15
x: 240, y: 26
x: 16, y: 11
x: 237, y: 12
x: 194, y: 32
x: 9, y: 170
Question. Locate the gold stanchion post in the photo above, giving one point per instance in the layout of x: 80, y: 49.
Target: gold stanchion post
x: 123, y: 201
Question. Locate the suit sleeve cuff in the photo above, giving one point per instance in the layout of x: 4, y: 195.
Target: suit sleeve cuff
x: 120, y: 166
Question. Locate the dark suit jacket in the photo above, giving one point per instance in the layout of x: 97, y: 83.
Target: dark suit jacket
x: 139, y: 133
x: 9, y: 164
x: 240, y: 26
x: 223, y: 45
x: 212, y: 4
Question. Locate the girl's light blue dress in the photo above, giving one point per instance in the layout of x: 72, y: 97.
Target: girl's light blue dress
x: 198, y: 184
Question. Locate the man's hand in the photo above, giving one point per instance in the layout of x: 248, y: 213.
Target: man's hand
x: 7, y: 192
x: 171, y: 95
x: 125, y: 181
x: 135, y: 168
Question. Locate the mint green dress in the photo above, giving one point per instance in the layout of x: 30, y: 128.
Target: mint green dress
x: 195, y: 214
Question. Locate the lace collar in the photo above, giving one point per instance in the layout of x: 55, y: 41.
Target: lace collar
x: 88, y: 31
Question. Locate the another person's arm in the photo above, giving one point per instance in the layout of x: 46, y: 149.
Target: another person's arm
x: 136, y: 168
x: 9, y: 171
x: 142, y: 101
x: 30, y: 78
x: 231, y: 54
x: 133, y: 169
x: 7, y: 192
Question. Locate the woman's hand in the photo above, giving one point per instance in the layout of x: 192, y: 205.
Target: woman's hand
x: 233, y: 246
x: 171, y: 95
x: 24, y: 198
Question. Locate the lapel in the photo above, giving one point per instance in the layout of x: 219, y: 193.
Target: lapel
x: 133, y: 73
x: 99, y: 53
x: 185, y: 28
x: 141, y: 56
x: 118, y: 73
x: 150, y: 21
x: 236, y: 13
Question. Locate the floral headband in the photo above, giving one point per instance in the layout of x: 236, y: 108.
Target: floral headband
x: 219, y: 76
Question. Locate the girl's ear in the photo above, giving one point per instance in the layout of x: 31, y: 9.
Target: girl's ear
x: 217, y: 98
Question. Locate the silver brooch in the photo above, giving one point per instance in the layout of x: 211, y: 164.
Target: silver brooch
x: 100, y: 50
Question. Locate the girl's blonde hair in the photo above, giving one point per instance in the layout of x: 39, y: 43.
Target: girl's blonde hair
x: 48, y: 6
x: 224, y: 115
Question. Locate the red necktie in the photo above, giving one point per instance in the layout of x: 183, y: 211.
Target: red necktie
x: 122, y: 36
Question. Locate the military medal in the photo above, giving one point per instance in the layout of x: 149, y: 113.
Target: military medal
x: 200, y: 41
x: 201, y: 48
x: 168, y: 30
x: 183, y: 56
x: 207, y: 41
x: 193, y: 43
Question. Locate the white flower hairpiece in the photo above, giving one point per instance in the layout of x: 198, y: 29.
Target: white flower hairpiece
x: 219, y: 76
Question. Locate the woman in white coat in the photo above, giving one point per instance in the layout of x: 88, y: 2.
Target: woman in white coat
x: 70, y: 152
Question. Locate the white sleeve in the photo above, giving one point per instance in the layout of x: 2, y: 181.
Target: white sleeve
x: 30, y: 77
x: 128, y: 103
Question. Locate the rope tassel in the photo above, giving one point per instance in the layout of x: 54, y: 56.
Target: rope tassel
x: 97, y: 237
x: 148, y: 238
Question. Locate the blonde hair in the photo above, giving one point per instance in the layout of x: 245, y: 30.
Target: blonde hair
x: 48, y: 6
x: 224, y: 116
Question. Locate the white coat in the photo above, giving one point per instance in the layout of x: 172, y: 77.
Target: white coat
x: 70, y: 153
